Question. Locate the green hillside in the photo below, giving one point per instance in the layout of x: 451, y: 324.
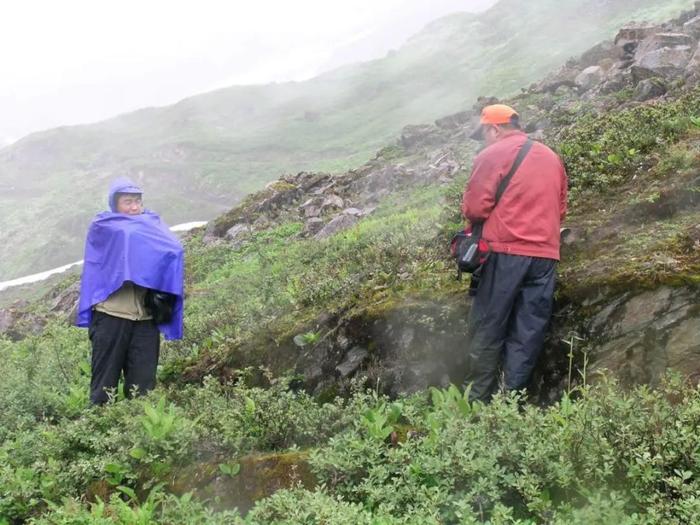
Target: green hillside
x: 198, y: 157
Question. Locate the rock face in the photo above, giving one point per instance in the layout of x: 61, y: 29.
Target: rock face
x: 642, y: 335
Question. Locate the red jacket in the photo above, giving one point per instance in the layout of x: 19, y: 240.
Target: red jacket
x: 528, y: 216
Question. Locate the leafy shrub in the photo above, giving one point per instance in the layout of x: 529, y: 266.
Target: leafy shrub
x: 602, y: 150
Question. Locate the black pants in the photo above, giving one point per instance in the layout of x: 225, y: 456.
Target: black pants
x: 508, y: 320
x: 122, y: 345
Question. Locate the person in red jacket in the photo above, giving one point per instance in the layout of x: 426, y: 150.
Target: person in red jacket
x: 512, y: 304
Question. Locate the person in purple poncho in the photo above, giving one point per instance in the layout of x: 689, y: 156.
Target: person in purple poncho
x: 131, y: 291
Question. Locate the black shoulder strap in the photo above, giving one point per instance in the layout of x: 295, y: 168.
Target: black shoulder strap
x: 516, y: 164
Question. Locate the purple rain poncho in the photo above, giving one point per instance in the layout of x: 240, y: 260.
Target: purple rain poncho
x: 136, y: 248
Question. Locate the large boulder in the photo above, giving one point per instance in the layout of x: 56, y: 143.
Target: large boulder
x: 249, y: 478
x: 590, y: 77
x: 338, y: 224
x: 238, y: 234
x: 629, y: 36
x: 663, y: 40
x: 566, y: 76
x: 667, y: 61
x: 662, y: 54
x: 312, y: 207
x: 649, y: 88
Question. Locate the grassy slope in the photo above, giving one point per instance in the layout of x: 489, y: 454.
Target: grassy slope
x: 205, y: 152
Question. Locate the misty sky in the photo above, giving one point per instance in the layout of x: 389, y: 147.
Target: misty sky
x: 78, y: 61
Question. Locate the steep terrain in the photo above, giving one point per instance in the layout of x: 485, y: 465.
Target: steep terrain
x: 316, y: 296
x: 197, y: 157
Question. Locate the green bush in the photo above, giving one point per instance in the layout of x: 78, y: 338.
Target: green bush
x: 602, y: 150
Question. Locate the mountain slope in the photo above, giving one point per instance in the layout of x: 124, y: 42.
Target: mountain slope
x: 340, y: 286
x: 207, y: 151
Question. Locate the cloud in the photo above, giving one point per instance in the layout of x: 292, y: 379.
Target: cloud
x: 79, y: 61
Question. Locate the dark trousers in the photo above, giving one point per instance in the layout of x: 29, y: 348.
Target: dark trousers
x: 508, y: 320
x: 120, y: 345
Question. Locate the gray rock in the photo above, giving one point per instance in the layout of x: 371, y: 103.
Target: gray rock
x: 353, y: 211
x: 693, y: 66
x: 649, y: 88
x: 352, y: 362
x: 547, y: 102
x: 589, y: 77
x: 7, y: 319
x: 237, y: 234
x: 641, y: 336
x: 616, y: 81
x: 633, y: 33
x: 562, y: 90
x: 332, y: 201
x: 566, y: 76
x: 312, y: 211
x: 692, y: 27
x: 666, y: 61
x: 639, y: 74
x: 684, y: 346
x: 339, y: 223
x: 210, y: 235
x: 663, y: 40
x: 313, y: 226
x: 312, y: 207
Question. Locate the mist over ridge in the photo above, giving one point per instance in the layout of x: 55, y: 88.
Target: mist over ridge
x: 198, y: 157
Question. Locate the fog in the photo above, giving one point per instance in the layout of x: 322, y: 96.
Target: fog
x: 81, y: 61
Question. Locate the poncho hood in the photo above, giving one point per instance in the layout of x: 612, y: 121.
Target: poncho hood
x: 121, y: 185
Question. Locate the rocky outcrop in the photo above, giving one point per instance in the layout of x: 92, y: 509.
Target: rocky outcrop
x: 663, y: 54
x: 642, y: 335
x: 642, y: 57
x: 330, y: 203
